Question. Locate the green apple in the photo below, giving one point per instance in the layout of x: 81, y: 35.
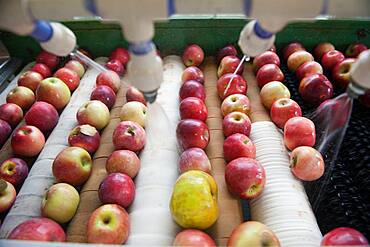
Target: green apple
x: 273, y: 91
x: 95, y: 113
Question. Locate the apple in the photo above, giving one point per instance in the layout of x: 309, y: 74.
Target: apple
x: 27, y: 141
x: 129, y: 135
x: 7, y: 195
x: 116, y: 66
x: 11, y: 113
x: 42, y: 69
x: 267, y: 73
x: 253, y: 233
x: 76, y: 66
x: 104, y: 94
x: 365, y: 99
x: 228, y: 50
x: 193, y: 55
x: 353, y: 50
x: 38, y: 229
x: 315, y: 89
x: 237, y: 146
x: 94, y: 113
x: 344, y: 236
x: 69, y: 77
x: 109, y: 78
x: 53, y: 91
x: 14, y: 171
x: 228, y: 65
x: 273, y: 91
x: 236, y: 122
x: 291, y: 48
x: 236, y: 102
x: 108, y: 224
x: 43, y: 116
x: 192, y: 133
x: 194, y: 159
x: 134, y: 111
x: 245, y: 178
x: 60, y: 202
x: 299, y: 131
x: 30, y: 79
x: 48, y: 58
x: 84, y: 136
x: 321, y: 49
x: 308, y: 68
x: 5, y: 131
x: 297, y: 59
x: 340, y: 72
x: 331, y: 58
x: 284, y: 109
x: 306, y: 163
x: 238, y: 85
x: 133, y: 94
x: 120, y: 54
x: 193, y: 237
x: 123, y: 161
x: 21, y: 96
x: 268, y: 57
x: 193, y: 108
x: 192, y: 73
x: 192, y: 89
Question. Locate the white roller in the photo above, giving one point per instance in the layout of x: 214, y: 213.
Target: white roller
x: 283, y: 205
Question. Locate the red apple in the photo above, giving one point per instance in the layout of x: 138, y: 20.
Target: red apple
x: 39, y: 229
x: 94, y: 113
x: 192, y: 73
x: 129, y: 135
x: 48, y: 58
x: 307, y: 69
x: 7, y: 195
x: 353, y: 50
x: 284, y: 109
x: 268, y: 57
x: 245, y: 178
x: 228, y: 50
x: 117, y: 188
x: 299, y: 131
x: 236, y: 102
x: 297, y: 59
x: 53, y: 91
x: 123, y: 161
x: 253, y: 233
x: 193, y: 108
x: 273, y: 91
x: 133, y: 94
x: 331, y: 58
x: 27, y: 141
x: 321, y: 49
x: 116, y: 66
x: 5, y: 131
x: 42, y: 69
x: 11, y: 113
x: 69, y: 77
x: 104, y: 94
x: 340, y: 72
x: 43, y: 116
x: 228, y: 65
x: 120, y: 54
x: 315, y: 89
x: 76, y: 66
x: 109, y: 78
x: 306, y: 163
x: 193, y: 237
x: 30, y: 79
x: 21, y: 96
x: 267, y: 73
x: 194, y: 159
x: 236, y: 122
x: 192, y: 133
x: 86, y: 137
x: 344, y: 236
x: 193, y: 55
x: 72, y: 165
x: 192, y: 89
x: 14, y: 171
x: 291, y: 48
x: 238, y: 85
x: 237, y: 146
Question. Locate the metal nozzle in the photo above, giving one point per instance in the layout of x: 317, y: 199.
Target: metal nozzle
x: 151, y: 96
